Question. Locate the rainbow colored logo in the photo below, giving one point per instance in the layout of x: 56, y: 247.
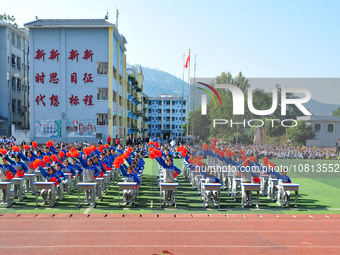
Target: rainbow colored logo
x: 209, y: 93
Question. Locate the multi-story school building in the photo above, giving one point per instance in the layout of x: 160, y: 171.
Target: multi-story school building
x: 80, y: 88
x: 167, y: 115
x: 14, y: 83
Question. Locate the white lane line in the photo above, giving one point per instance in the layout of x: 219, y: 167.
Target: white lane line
x: 168, y: 246
x: 170, y: 231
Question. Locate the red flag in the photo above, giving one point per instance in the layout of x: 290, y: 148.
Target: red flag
x: 188, y: 61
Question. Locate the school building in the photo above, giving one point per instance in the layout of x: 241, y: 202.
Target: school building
x: 167, y: 114
x: 14, y: 82
x: 80, y: 88
x: 326, y: 128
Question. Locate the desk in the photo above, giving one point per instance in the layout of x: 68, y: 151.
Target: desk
x: 212, y: 187
x: 45, y: 185
x: 30, y: 179
x: 166, y: 186
x: 9, y: 198
x: 283, y: 187
x: 250, y: 187
x: 19, y: 182
x: 127, y: 186
x: 87, y: 186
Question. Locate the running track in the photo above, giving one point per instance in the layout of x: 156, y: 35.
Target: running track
x: 179, y: 234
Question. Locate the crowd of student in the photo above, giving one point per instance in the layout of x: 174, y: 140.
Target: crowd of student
x: 90, y: 160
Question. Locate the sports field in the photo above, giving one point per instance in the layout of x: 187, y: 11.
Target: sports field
x: 318, y: 194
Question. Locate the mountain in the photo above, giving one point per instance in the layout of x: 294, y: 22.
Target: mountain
x: 320, y: 109
x: 157, y: 82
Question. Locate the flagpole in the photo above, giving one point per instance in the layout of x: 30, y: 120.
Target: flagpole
x: 188, y: 103
x: 194, y: 97
x: 182, y: 100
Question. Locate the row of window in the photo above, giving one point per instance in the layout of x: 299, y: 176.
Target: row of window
x: 16, y: 106
x: 158, y: 102
x: 330, y: 128
x: 16, y: 40
x: 16, y: 83
x: 165, y: 126
x: 167, y: 111
x: 16, y: 62
x: 166, y: 118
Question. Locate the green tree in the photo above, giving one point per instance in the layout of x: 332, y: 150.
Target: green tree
x: 10, y: 19
x: 300, y: 133
x: 336, y: 112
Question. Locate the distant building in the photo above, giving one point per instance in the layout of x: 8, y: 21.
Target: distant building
x: 166, y: 116
x: 326, y: 128
x: 137, y: 106
x: 14, y: 82
x: 79, y: 80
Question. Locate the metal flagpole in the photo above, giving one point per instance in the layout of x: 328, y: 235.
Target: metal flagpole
x: 194, y: 97
x: 188, y: 103
x: 182, y: 100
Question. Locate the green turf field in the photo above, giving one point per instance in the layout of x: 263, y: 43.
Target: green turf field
x: 319, y: 194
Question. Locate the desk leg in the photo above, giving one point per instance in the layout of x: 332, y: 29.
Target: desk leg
x: 36, y: 198
x: 118, y: 197
x: 296, y: 197
x: 258, y: 198
x: 176, y: 198
x: 78, y: 197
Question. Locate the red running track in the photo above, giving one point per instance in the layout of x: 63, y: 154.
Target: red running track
x: 179, y: 234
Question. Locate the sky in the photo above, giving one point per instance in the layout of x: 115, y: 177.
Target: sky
x: 291, y: 38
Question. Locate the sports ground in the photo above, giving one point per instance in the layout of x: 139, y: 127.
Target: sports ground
x: 318, y: 194
x: 312, y: 228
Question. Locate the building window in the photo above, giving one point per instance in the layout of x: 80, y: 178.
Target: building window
x: 14, y: 82
x: 317, y: 127
x: 13, y: 38
x: 14, y: 60
x: 19, y: 84
x: 18, y: 41
x: 102, y: 67
x: 14, y: 105
x: 19, y: 63
x: 102, y: 94
x: 330, y: 128
x: 19, y: 106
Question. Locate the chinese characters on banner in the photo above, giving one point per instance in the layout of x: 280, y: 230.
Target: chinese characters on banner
x: 53, y: 77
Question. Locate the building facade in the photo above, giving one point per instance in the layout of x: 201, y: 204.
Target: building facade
x: 14, y: 81
x: 167, y: 115
x: 79, y: 80
x: 326, y: 128
x: 137, y: 107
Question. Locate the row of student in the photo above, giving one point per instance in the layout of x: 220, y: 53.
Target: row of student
x: 88, y: 166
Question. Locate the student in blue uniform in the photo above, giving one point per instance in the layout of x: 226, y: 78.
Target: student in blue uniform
x: 89, y: 172
x: 211, y: 178
x: 4, y: 169
x: 129, y: 176
x: 47, y: 193
x: 169, y: 174
x: 19, y: 167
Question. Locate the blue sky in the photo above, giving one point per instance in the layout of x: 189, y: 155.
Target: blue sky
x: 260, y: 38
